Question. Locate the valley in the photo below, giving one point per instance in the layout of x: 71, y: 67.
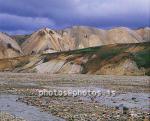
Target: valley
x: 130, y: 92
x: 75, y: 74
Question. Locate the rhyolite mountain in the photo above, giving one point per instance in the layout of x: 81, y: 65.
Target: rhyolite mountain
x: 8, y: 47
x: 79, y: 37
x: 45, y: 40
x: 85, y: 37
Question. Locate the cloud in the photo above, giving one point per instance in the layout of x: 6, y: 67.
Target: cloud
x: 13, y: 22
x: 113, y: 7
x: 61, y: 13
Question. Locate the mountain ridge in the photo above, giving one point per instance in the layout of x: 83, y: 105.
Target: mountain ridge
x: 78, y: 37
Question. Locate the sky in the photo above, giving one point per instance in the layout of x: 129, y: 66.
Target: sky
x: 26, y: 16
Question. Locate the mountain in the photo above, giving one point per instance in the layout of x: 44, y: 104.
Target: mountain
x: 45, y: 40
x: 8, y: 47
x: 113, y: 59
x: 78, y: 37
x: 88, y: 37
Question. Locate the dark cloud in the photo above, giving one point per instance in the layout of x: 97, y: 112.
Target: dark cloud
x: 29, y: 15
x: 13, y: 22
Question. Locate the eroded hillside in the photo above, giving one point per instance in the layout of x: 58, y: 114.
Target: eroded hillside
x: 78, y: 37
x: 115, y: 59
x: 8, y: 47
x: 89, y: 37
x: 45, y: 40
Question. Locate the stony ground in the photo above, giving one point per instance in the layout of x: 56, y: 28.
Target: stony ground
x: 73, y: 108
x: 78, y: 110
x: 8, y: 117
x: 31, y: 80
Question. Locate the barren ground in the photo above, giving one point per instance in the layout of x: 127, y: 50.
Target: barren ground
x: 132, y: 92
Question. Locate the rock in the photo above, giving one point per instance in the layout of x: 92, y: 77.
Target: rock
x: 125, y: 110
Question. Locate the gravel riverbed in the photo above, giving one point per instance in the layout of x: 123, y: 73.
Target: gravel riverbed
x: 130, y: 102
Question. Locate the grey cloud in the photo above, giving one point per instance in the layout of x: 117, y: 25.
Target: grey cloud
x: 15, y: 14
x: 13, y: 22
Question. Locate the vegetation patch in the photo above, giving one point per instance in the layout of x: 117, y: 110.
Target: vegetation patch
x: 142, y: 58
x: 22, y: 63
